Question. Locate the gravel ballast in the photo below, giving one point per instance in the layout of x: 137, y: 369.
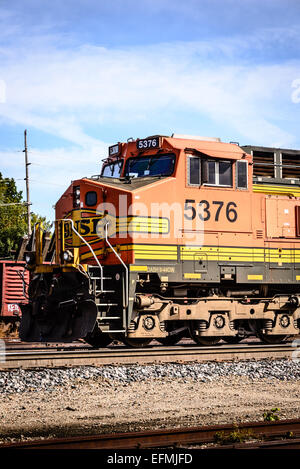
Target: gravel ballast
x: 17, y: 381
x: 86, y: 399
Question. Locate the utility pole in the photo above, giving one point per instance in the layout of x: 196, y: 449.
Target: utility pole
x: 27, y: 184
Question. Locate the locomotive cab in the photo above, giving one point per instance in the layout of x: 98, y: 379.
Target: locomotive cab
x: 172, y: 239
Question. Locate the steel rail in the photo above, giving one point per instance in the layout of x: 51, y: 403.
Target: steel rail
x: 156, y: 354
x: 165, y: 438
x: 287, y: 443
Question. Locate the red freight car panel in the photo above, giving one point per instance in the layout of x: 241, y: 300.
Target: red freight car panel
x: 11, y: 287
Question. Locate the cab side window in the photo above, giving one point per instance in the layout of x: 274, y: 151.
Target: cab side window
x: 242, y: 175
x: 217, y: 173
x: 194, y: 171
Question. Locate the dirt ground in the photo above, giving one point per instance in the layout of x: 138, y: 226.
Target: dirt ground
x: 96, y: 406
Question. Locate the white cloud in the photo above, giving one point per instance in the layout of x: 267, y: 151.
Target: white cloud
x: 67, y: 92
x: 2, y: 91
x: 62, y: 92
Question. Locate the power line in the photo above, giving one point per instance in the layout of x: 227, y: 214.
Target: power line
x: 14, y: 203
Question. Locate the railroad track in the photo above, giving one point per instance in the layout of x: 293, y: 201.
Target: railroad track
x: 26, y: 347
x: 285, y: 433
x: 156, y: 354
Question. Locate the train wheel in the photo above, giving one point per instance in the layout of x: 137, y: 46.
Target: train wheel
x: 169, y: 340
x: 206, y: 340
x: 138, y: 343
x: 232, y: 339
x: 26, y: 323
x: 97, y: 339
x: 172, y: 339
x: 272, y: 339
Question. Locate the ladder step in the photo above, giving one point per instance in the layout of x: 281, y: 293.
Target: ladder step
x: 104, y: 291
x: 106, y: 318
x: 110, y: 331
x: 107, y: 304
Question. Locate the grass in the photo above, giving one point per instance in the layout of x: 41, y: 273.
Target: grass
x: 236, y: 436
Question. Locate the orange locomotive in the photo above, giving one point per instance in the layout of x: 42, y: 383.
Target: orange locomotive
x: 178, y: 236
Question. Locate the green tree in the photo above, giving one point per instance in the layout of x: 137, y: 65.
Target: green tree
x: 13, y: 218
x: 46, y: 224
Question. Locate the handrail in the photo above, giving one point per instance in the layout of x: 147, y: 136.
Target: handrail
x: 97, y: 261
x: 90, y: 248
x: 122, y: 262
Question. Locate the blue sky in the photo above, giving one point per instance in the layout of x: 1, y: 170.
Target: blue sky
x: 81, y: 75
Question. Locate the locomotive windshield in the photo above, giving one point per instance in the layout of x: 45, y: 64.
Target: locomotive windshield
x: 112, y: 170
x: 156, y: 165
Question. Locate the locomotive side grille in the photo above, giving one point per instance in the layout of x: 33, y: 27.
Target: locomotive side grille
x: 290, y: 166
x: 259, y: 234
x: 263, y: 164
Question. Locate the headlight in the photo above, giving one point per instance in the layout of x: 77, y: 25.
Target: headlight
x: 68, y: 256
x: 76, y: 196
x: 30, y: 257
